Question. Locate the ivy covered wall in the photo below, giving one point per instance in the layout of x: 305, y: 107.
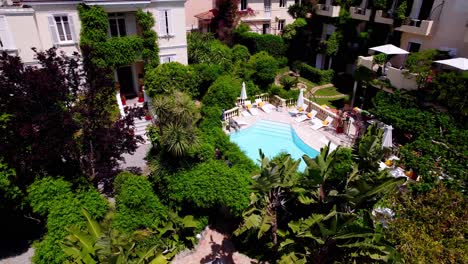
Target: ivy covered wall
x: 113, y: 52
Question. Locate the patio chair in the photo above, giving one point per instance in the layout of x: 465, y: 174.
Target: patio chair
x: 317, y: 123
x: 267, y: 108
x: 308, y: 116
x: 248, y: 105
x: 297, y: 111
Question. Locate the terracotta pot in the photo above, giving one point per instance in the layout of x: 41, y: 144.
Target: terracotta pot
x: 123, y: 99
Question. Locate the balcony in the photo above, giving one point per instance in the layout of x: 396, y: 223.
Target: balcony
x: 418, y: 27
x: 401, y: 79
x: 381, y: 17
x: 359, y: 13
x: 328, y: 10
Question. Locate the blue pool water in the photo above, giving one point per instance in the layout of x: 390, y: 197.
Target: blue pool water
x: 272, y: 138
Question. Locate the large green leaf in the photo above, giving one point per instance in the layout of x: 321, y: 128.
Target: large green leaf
x: 93, y: 227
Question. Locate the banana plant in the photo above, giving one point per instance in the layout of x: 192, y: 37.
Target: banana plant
x: 323, y: 238
x: 99, y: 243
x: 270, y: 187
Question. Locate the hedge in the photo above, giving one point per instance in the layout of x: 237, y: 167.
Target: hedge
x: 272, y: 44
x: 315, y: 75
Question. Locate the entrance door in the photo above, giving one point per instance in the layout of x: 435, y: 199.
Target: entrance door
x: 266, y: 28
x: 125, y: 77
x: 413, y: 47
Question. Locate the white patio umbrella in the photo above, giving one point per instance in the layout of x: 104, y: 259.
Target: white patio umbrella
x: 243, y: 95
x: 300, y: 99
x: 389, y: 49
x: 459, y: 63
x: 387, y: 141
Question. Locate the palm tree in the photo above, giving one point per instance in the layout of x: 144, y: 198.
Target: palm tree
x: 177, y: 116
x: 271, y: 186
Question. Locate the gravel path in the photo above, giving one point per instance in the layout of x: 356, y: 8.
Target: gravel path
x: 24, y: 258
x: 137, y: 160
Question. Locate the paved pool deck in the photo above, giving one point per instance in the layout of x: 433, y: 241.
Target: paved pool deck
x: 314, y: 138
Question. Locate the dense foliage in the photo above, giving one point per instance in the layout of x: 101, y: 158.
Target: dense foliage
x: 168, y: 77
x: 55, y: 200
x: 137, y: 207
x: 223, y: 92
x: 211, y: 185
x: 264, y: 68
x: 430, y: 227
x: 434, y: 143
x: 114, y: 52
x: 315, y: 75
x: 272, y: 44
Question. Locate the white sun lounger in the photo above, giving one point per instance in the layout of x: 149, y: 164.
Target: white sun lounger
x: 317, y: 123
x: 248, y: 105
x: 266, y: 107
x: 308, y: 116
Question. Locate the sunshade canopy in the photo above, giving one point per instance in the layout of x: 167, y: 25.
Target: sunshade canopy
x: 389, y: 49
x: 459, y: 63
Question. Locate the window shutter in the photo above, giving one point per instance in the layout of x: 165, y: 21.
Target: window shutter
x: 130, y: 24
x: 170, y: 22
x: 161, y: 22
x: 53, y: 30
x: 5, y: 35
x: 72, y: 29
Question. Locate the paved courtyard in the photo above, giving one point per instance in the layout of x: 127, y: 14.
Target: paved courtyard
x: 314, y: 138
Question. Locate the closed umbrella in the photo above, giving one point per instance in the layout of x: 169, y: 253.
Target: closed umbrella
x: 387, y: 137
x: 300, y: 99
x: 243, y: 95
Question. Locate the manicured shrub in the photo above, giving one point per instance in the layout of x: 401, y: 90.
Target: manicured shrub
x: 223, y: 92
x: 168, y: 77
x: 211, y: 185
x: 315, y: 75
x: 264, y: 67
x: 54, y: 198
x: 137, y: 205
x: 288, y: 82
x: 240, y: 53
x: 255, y: 42
x: 206, y: 75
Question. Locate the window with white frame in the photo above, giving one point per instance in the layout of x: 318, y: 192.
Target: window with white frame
x: 282, y: 3
x: 63, y: 28
x: 281, y: 23
x: 243, y: 5
x: 165, y: 23
x: 117, y: 26
x: 167, y: 58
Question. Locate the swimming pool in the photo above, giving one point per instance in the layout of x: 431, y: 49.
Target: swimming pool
x: 272, y: 138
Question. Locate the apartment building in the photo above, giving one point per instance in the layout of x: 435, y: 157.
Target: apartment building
x: 263, y: 16
x: 55, y: 23
x: 432, y: 24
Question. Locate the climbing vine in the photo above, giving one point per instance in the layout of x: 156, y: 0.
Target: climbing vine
x: 112, y: 52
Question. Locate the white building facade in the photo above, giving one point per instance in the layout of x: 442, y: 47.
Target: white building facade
x: 44, y: 24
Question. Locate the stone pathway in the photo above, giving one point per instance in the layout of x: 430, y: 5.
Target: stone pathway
x: 24, y: 258
x: 212, y: 246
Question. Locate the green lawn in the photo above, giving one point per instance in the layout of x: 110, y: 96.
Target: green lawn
x: 330, y: 102
x: 327, y: 92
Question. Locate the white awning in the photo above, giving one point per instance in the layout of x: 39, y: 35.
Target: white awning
x: 459, y: 63
x: 389, y: 49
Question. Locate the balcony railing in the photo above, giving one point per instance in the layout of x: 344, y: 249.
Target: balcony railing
x: 382, y: 17
x: 418, y: 27
x: 328, y: 10
x: 360, y: 13
x: 401, y: 79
